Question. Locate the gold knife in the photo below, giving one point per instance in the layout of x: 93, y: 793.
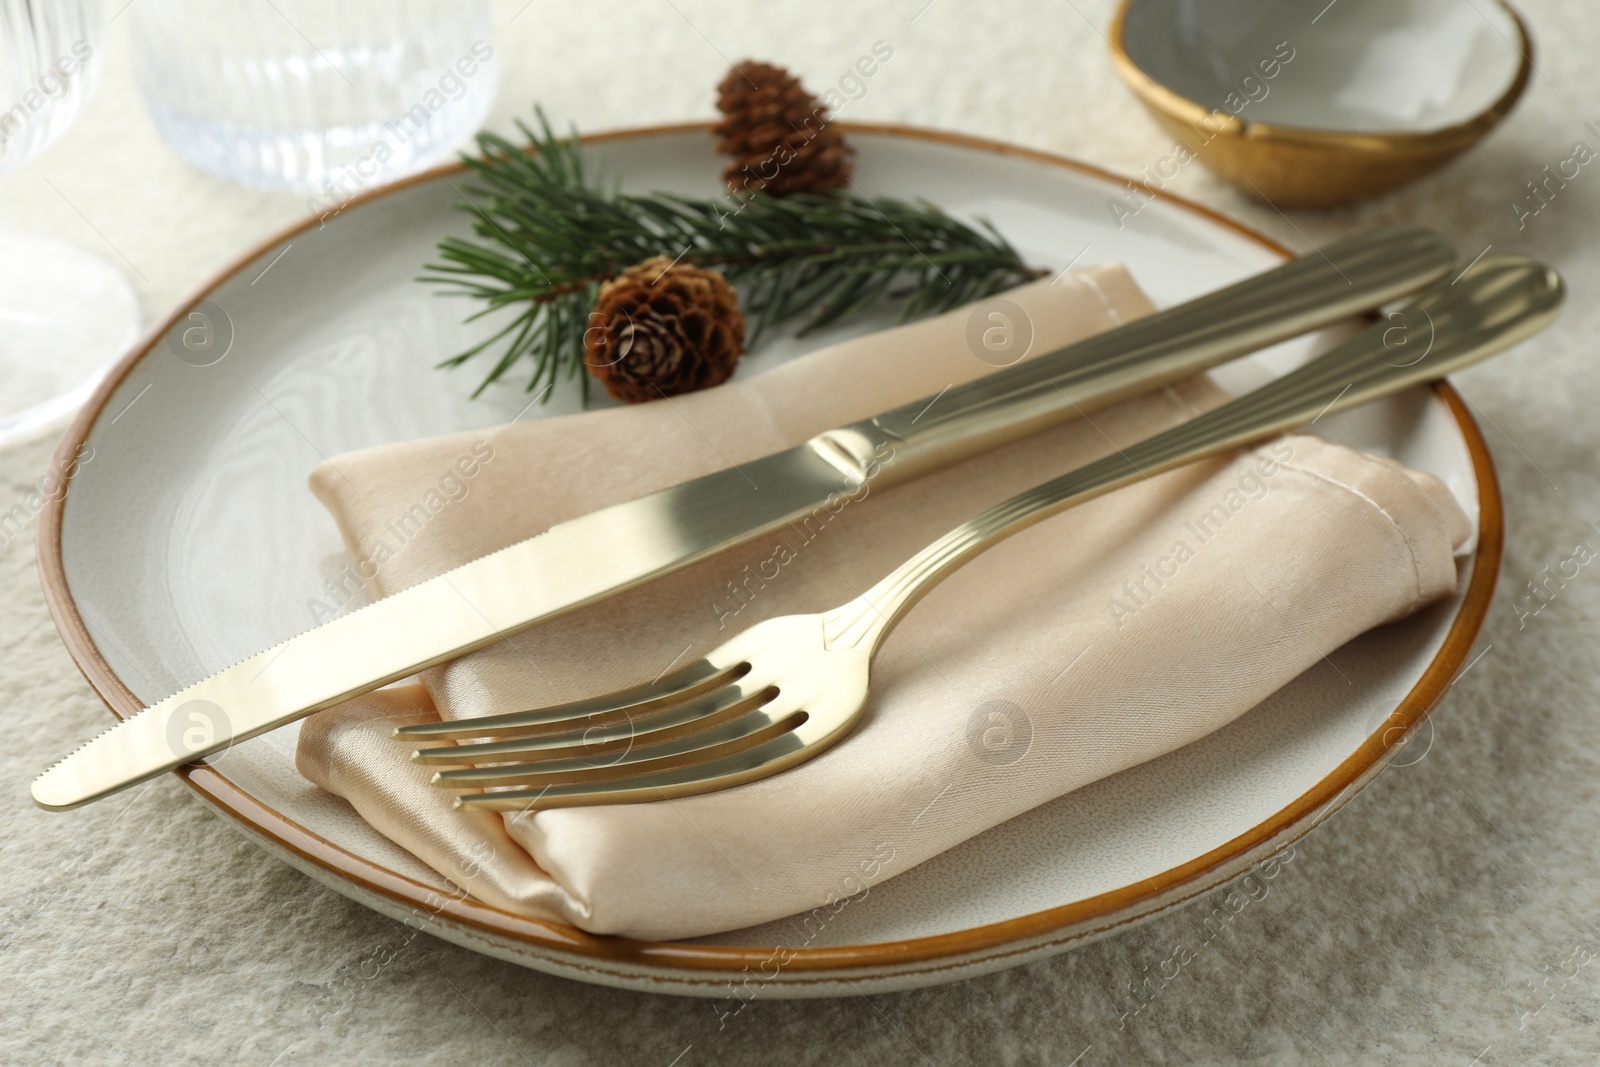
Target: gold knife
x: 605, y: 552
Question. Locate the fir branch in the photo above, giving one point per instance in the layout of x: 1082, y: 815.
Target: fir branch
x: 548, y: 233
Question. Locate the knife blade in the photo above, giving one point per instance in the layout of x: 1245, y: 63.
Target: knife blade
x: 586, y: 559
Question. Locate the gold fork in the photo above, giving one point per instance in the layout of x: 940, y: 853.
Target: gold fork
x: 788, y: 688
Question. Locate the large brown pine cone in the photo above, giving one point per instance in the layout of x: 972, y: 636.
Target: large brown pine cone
x: 781, y: 138
x: 660, y: 328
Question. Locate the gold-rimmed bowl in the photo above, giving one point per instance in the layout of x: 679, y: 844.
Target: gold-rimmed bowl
x: 1311, y: 104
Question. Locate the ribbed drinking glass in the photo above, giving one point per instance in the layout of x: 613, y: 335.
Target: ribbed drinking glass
x: 322, y: 97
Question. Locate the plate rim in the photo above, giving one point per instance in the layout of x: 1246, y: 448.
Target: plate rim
x: 693, y: 964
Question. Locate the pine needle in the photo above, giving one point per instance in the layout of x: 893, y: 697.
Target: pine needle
x: 548, y: 231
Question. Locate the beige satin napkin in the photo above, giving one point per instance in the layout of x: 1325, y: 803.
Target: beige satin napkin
x: 1104, y: 637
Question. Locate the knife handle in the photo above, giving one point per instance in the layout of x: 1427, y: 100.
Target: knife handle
x: 1319, y: 289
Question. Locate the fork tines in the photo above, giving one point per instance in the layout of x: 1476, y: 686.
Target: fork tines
x: 701, y: 728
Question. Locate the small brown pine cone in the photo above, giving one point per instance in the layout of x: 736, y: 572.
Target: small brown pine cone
x: 660, y: 329
x: 780, y: 137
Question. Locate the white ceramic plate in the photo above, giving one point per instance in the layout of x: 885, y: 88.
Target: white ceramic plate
x: 188, y: 540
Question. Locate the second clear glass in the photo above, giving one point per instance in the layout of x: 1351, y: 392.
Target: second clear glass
x: 324, y: 98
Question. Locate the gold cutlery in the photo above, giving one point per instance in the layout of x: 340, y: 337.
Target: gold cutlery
x: 786, y: 689
x: 616, y: 548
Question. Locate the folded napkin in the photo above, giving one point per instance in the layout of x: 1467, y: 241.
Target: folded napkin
x: 1104, y: 637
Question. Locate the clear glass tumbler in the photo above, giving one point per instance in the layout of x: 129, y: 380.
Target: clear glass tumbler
x: 326, y: 97
x: 50, y: 65
x: 65, y: 312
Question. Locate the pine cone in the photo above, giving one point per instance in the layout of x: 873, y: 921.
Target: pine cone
x: 781, y: 138
x: 661, y: 328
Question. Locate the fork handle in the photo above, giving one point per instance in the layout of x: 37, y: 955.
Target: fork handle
x: 1497, y: 302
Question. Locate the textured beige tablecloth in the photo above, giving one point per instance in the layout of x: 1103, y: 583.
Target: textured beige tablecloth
x: 1430, y: 922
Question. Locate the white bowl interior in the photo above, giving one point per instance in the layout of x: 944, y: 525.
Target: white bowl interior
x: 1360, y: 66
x: 199, y: 477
